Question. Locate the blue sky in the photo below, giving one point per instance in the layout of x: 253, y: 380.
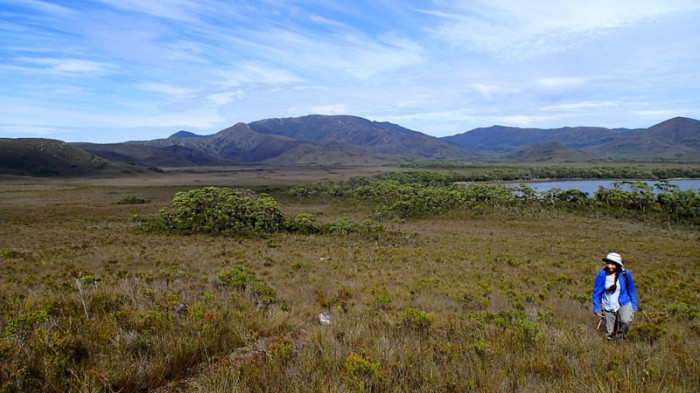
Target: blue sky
x: 117, y: 70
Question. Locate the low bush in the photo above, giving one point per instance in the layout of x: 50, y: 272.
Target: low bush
x: 221, y: 211
x: 132, y: 200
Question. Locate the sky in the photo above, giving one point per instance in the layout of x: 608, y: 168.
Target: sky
x: 116, y: 70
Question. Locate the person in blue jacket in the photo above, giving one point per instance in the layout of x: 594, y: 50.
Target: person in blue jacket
x: 614, y: 296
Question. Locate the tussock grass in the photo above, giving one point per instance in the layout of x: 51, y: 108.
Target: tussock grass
x: 494, y: 301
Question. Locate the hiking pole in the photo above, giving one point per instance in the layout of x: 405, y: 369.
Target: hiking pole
x: 600, y: 321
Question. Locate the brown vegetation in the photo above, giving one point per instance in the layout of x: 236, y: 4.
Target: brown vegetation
x: 497, y: 300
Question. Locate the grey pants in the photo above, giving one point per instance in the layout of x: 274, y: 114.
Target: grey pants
x: 618, y: 323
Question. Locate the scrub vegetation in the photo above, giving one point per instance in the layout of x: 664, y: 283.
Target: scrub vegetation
x: 431, y: 283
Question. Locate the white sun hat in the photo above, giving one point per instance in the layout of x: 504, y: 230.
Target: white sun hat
x: 614, y: 258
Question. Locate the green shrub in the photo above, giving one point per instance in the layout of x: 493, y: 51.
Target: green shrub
x: 26, y: 322
x: 342, y: 226
x: 244, y: 278
x: 418, y: 319
x: 361, y: 366
x: 221, y: 211
x: 132, y: 200
x: 647, y: 331
x: 303, y: 223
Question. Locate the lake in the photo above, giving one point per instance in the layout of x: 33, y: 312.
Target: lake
x: 591, y: 186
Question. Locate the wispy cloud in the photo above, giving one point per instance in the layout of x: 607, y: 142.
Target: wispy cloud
x: 223, y: 98
x: 435, y: 66
x: 331, y: 109
x: 522, y: 29
x: 167, y: 89
x: 560, y: 82
x: 67, y: 65
x: 581, y: 105
x: 179, y: 10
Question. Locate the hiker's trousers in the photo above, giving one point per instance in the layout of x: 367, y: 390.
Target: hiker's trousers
x: 617, y: 323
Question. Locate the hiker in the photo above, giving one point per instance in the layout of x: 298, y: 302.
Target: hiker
x: 614, y: 293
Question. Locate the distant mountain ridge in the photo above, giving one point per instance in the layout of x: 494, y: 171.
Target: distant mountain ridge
x: 185, y: 134
x: 50, y: 157
x: 350, y: 140
x: 673, y: 139
x: 309, y: 140
x: 382, y: 137
x: 500, y: 139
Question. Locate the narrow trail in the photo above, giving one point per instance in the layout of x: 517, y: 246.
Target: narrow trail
x: 238, y: 357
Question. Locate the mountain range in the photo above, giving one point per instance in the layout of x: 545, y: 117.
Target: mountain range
x: 350, y: 140
x: 50, y: 157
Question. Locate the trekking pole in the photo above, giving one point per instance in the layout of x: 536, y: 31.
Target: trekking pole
x: 600, y: 321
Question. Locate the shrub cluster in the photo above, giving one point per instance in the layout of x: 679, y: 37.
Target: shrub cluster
x: 470, y: 172
x: 132, y: 200
x: 422, y: 193
x: 229, y: 212
x: 221, y: 211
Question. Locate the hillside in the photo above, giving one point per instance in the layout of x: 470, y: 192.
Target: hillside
x: 677, y: 139
x: 550, y: 152
x: 350, y: 140
x: 502, y: 139
x: 381, y: 137
x: 308, y: 140
x: 49, y: 157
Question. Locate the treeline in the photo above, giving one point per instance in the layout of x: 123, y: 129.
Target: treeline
x: 423, y: 193
x: 471, y: 172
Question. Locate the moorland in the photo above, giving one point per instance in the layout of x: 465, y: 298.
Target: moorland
x: 431, y: 280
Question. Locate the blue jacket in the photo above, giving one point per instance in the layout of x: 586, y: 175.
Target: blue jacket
x: 627, y: 292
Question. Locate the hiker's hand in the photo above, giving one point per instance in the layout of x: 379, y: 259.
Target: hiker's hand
x: 600, y: 314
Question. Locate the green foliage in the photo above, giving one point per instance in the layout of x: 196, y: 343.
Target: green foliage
x: 417, y: 319
x: 638, y: 196
x: 304, y: 223
x: 649, y: 331
x: 416, y: 194
x: 237, y: 277
x: 228, y: 212
x: 132, y: 200
x: 25, y: 322
x: 221, y: 211
x: 280, y: 350
x: 244, y: 278
x: 470, y: 172
x: 361, y: 366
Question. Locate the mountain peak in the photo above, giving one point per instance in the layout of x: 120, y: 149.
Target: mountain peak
x: 185, y: 134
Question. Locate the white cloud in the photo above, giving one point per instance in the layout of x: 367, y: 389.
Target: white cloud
x: 560, y: 82
x: 46, y: 7
x: 524, y: 120
x: 451, y: 66
x: 490, y: 90
x: 256, y: 73
x: 658, y: 112
x: 225, y: 97
x: 167, y: 89
x: 181, y: 10
x: 581, y: 105
x: 64, y: 65
x: 518, y: 29
x: 334, y: 109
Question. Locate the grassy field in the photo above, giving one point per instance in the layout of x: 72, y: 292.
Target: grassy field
x: 496, y: 301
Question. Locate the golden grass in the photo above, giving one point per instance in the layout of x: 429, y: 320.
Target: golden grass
x: 500, y: 301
